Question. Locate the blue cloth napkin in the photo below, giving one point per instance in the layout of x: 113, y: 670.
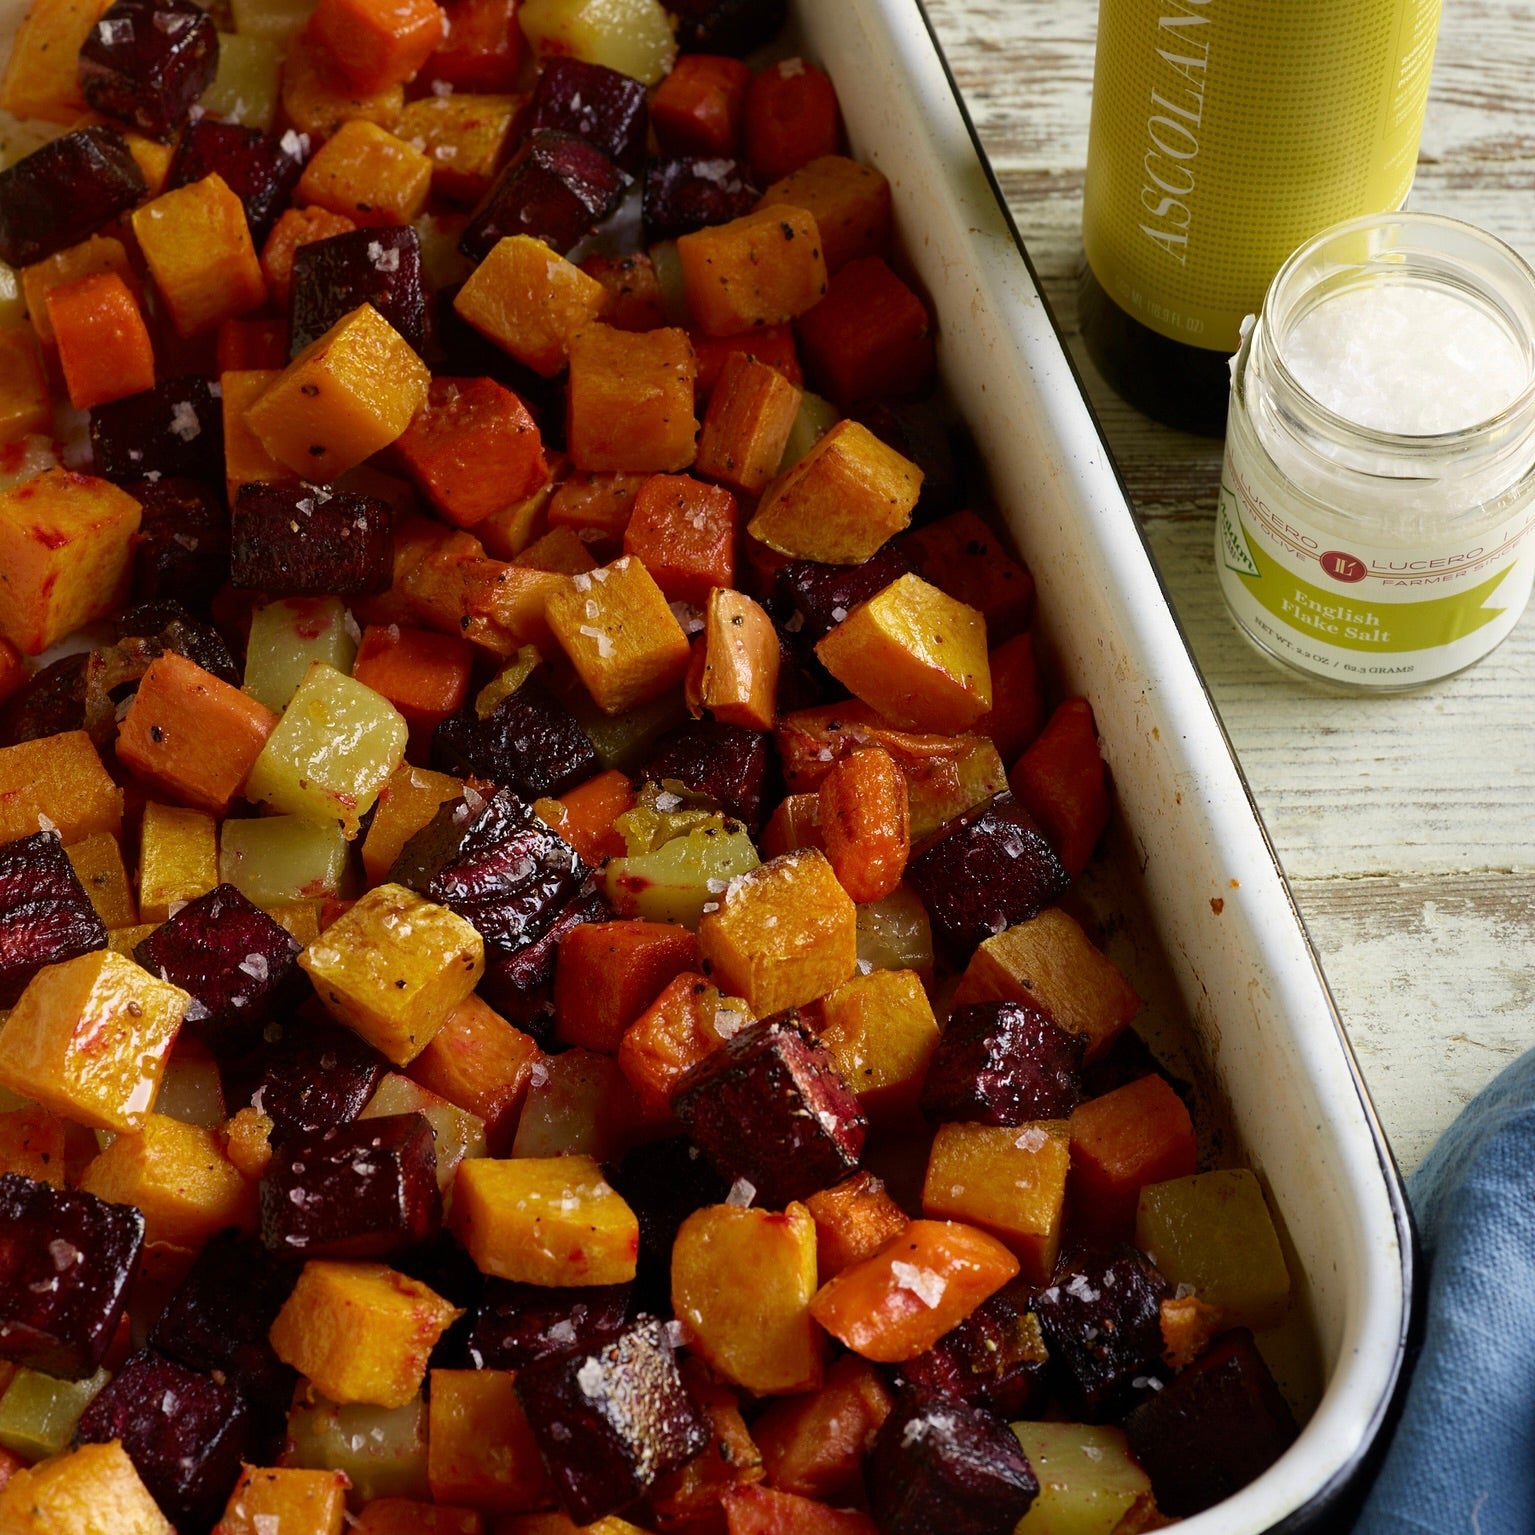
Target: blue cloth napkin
x: 1463, y: 1458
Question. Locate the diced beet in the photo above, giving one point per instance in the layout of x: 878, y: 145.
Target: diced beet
x: 514, y: 1324
x: 938, y: 1463
x: 310, y: 541
x: 237, y: 963
x: 176, y: 428
x: 466, y: 353
x: 168, y: 625
x: 996, y: 1359
x: 307, y: 1075
x: 519, y: 983
x: 186, y: 1434
x: 261, y: 169
x: 64, y: 192
x: 916, y: 430
x: 1214, y: 1428
x: 49, y: 702
x: 609, y: 1421
x: 690, y: 192
x: 1002, y: 1063
x: 733, y: 27
x: 726, y: 763
x: 182, y: 553
x: 806, y: 1131
x: 529, y: 743
x: 67, y: 1261
x: 218, y: 1319
x: 48, y: 914
x: 989, y: 869
x: 360, y: 1190
x: 823, y: 595
x: 556, y: 190
x: 494, y: 863
x: 380, y: 266
x: 600, y: 105
x: 664, y: 1182
x: 1102, y: 1319
x: 146, y: 62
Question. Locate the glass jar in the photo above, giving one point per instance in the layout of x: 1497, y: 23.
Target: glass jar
x: 1378, y: 492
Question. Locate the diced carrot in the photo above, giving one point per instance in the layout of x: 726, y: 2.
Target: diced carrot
x: 473, y: 448
x: 610, y: 972
x: 296, y: 227
x: 247, y: 345
x: 853, y: 1220
x: 791, y: 118
x: 960, y: 555
x: 772, y: 344
x: 700, y: 107
x: 902, y: 1300
x: 481, y: 46
x: 1017, y: 696
x: 677, y: 1030
x: 738, y: 680
x: 316, y: 97
x: 1062, y: 782
x: 747, y: 424
x: 634, y: 293
x: 587, y: 814
x: 865, y: 825
x: 870, y: 335
x: 377, y: 43
x: 104, y: 346
x: 191, y: 735
x: 424, y: 675
x: 684, y: 533
x: 813, y: 1445
x: 597, y: 505
x: 480, y: 1062
x: 762, y: 1511
x: 1138, y: 1134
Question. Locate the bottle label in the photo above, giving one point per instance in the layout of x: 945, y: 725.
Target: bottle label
x: 1225, y: 133
x: 1362, y: 614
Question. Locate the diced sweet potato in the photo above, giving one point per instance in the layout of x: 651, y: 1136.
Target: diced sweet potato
x: 688, y: 1020
x: 65, y: 549
x: 962, y: 556
x: 853, y: 1220
x: 376, y: 45
x: 361, y: 1332
x: 609, y: 972
x: 103, y: 343
x: 746, y: 428
x: 739, y: 684
x: 813, y: 1445
x: 1062, y: 782
x: 741, y: 1281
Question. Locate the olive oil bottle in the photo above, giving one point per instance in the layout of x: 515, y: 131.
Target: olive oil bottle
x: 1224, y: 134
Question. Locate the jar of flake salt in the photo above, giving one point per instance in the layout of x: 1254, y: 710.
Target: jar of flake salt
x: 1378, y: 494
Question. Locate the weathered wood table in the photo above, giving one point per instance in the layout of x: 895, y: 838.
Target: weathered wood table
x: 1406, y: 824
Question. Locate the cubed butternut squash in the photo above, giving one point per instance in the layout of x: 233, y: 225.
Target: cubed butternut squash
x: 98, y: 864
x: 465, y: 136
x: 480, y: 1449
x: 318, y: 99
x: 311, y: 1502
x: 377, y: 43
x: 63, y: 1494
x: 42, y: 73
x: 881, y: 1033
x: 57, y: 780
x: 367, y: 174
x: 760, y: 269
x: 630, y: 400
x: 178, y: 859
x: 849, y: 200
x: 25, y: 403
x: 739, y: 681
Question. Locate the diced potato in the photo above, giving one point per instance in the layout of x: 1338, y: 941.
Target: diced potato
x: 881, y: 1033
x: 287, y: 636
x: 545, y: 1220
x: 245, y: 89
x: 38, y: 1412
x: 270, y: 20
x: 815, y: 419
x: 676, y: 881
x: 916, y: 655
x: 332, y: 751
x: 458, y: 1133
x: 578, y: 1104
x: 281, y: 859
x: 178, y: 1175
x: 1213, y: 1231
x: 742, y: 1280
x: 178, y: 858
x: 1089, y: 1483
x: 784, y: 934
x: 1009, y: 1180
x: 192, y: 1089
x: 393, y: 967
x: 66, y: 541
x: 381, y: 1451
x: 631, y: 36
x: 620, y: 634
x: 55, y: 1496
x: 312, y: 1502
x: 361, y: 1332
x: 895, y: 933
x: 57, y: 780
x: 89, y: 1039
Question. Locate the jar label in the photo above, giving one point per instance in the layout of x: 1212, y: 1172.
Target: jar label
x: 1224, y: 133
x: 1363, y: 614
